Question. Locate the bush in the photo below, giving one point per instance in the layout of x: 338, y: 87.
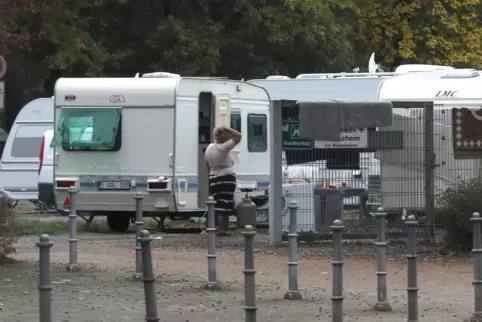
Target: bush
x: 457, y: 206
x: 7, y: 235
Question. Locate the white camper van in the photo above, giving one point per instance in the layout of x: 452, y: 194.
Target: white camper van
x: 20, y: 159
x: 403, y: 170
x: 117, y: 136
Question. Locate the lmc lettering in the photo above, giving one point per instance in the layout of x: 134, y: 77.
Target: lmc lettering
x: 446, y: 93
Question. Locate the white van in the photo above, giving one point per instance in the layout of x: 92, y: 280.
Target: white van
x: 117, y: 136
x: 46, y: 170
x: 19, y: 163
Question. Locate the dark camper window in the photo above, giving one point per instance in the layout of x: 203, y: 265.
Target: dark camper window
x: 90, y: 129
x: 257, y: 133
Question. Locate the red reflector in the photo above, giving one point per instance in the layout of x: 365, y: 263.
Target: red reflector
x: 67, y: 202
x: 157, y: 185
x: 41, y: 156
x: 65, y: 184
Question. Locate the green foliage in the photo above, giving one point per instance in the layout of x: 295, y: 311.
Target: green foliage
x: 457, y: 206
x: 7, y: 234
x: 235, y: 38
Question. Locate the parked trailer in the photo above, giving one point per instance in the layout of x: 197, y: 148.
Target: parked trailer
x: 403, y: 171
x: 149, y: 134
x: 19, y: 165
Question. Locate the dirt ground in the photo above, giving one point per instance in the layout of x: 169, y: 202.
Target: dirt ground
x: 104, y: 291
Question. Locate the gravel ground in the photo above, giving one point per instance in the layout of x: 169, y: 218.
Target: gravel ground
x: 104, y: 291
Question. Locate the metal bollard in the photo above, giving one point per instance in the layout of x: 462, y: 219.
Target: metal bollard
x: 212, y: 283
x: 293, y: 292
x: 148, y: 277
x: 139, y: 223
x: 337, y: 263
x: 73, y: 265
x: 477, y: 251
x: 412, y: 283
x: 381, y: 245
x: 44, y: 286
x: 249, y: 274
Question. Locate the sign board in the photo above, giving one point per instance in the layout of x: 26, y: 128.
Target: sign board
x: 291, y: 137
x: 467, y: 132
x: 3, y: 67
x: 2, y: 94
x: 350, y: 139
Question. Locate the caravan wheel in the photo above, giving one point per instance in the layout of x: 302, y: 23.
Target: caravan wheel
x: 118, y: 222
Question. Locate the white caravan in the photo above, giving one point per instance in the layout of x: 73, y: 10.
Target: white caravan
x: 20, y: 159
x: 118, y: 136
x: 403, y: 170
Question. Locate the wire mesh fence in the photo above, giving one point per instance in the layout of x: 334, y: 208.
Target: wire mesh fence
x: 352, y: 179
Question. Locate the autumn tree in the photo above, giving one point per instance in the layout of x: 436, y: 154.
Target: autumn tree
x: 14, y: 35
x: 445, y: 32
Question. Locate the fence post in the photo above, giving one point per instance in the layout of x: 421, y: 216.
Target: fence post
x: 212, y: 282
x: 429, y: 163
x: 337, y: 263
x: 73, y: 265
x: 44, y: 287
x: 412, y: 283
x: 293, y: 292
x: 148, y: 277
x: 477, y: 251
x: 381, y: 245
x: 139, y: 198
x: 249, y: 275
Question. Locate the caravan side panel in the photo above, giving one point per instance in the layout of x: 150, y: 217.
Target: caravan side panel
x: 403, y: 171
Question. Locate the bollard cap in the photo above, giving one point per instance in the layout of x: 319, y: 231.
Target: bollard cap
x: 411, y: 221
x: 210, y: 201
x: 44, y: 241
x: 145, y: 236
x: 476, y: 217
x: 293, y: 204
x: 337, y: 225
x: 138, y: 195
x: 248, y: 231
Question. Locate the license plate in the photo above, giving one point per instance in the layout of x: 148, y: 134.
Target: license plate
x: 114, y: 185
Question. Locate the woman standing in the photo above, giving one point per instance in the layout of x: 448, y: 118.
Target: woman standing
x: 222, y: 178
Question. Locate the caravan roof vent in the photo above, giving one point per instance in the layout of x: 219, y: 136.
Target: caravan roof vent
x: 300, y: 76
x: 461, y: 73
x: 421, y: 68
x: 277, y: 77
x: 344, y: 75
x: 161, y: 75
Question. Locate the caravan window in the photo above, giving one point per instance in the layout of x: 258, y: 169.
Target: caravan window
x: 257, y: 133
x: 90, y: 129
x: 27, y: 140
x: 236, y: 121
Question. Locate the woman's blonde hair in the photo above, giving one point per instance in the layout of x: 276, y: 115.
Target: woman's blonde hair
x: 220, y: 134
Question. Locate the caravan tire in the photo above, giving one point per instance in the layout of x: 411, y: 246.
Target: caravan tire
x: 118, y: 222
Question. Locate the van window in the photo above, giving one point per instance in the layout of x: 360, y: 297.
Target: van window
x: 236, y: 121
x: 257, y: 133
x: 26, y: 141
x: 89, y: 129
